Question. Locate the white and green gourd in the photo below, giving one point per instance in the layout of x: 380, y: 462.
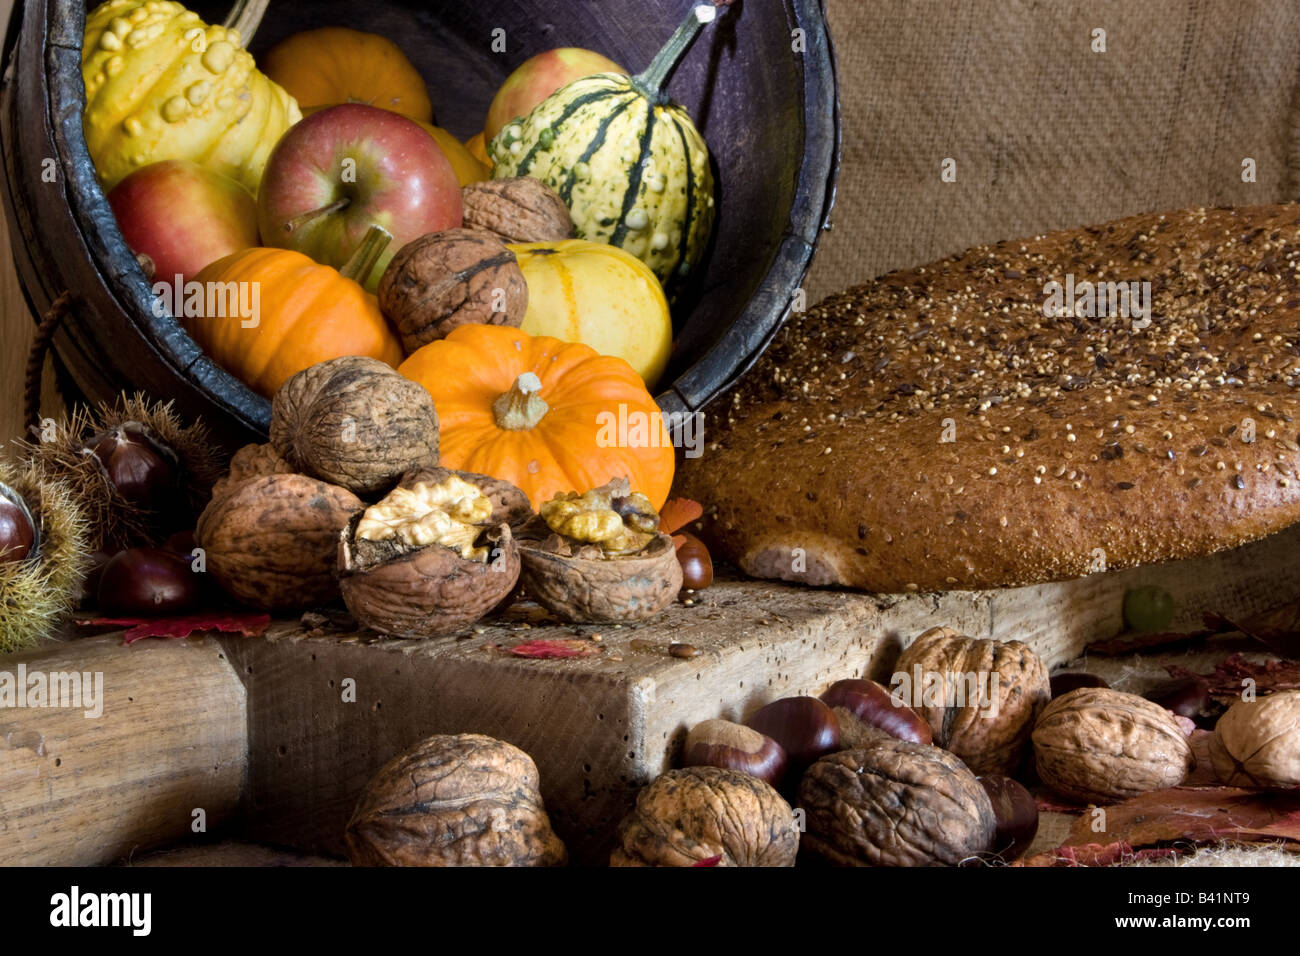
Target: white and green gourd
x: 629, y: 163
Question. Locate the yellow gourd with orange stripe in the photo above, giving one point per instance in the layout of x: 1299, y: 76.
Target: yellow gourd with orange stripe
x: 598, y: 295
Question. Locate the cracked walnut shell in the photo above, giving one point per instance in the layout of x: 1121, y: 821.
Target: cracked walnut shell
x: 454, y: 800
x: 895, y: 803
x: 520, y: 209
x: 426, y: 561
x: 690, y: 816
x: 1257, y: 742
x: 451, y: 278
x: 980, y: 697
x: 271, y: 542
x: 1098, y: 745
x: 355, y: 422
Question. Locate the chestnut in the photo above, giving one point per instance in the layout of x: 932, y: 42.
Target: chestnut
x: 1062, y: 684
x: 873, y: 705
x: 721, y: 743
x: 141, y: 468
x: 697, y: 566
x: 148, y: 581
x: 17, y: 531
x: 1185, y: 696
x: 1016, y: 812
x: 805, y: 728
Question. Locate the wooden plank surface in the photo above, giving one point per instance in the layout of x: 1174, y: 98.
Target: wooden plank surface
x: 170, y: 738
x: 600, y: 728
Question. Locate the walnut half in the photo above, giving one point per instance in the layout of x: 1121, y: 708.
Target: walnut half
x: 427, y: 560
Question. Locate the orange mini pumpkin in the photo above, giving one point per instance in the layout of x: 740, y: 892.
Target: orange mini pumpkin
x: 546, y: 415
x: 302, y: 313
x: 338, y: 65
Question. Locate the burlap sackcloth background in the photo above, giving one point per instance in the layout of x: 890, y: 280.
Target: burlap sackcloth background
x: 1045, y: 133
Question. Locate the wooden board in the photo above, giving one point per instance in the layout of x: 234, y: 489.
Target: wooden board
x: 170, y: 738
x: 600, y: 728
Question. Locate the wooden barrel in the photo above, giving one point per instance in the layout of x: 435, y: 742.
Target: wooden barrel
x: 761, y: 85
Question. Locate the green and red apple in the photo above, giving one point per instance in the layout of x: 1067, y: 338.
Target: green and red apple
x: 349, y: 167
x: 183, y: 216
x: 537, y: 78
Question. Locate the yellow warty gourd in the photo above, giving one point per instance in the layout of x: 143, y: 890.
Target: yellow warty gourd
x: 162, y: 84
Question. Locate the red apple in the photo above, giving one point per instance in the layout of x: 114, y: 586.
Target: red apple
x: 537, y: 78
x: 349, y: 167
x: 183, y: 216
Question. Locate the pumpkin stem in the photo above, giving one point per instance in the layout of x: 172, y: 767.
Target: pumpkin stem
x: 651, y: 80
x: 522, y: 407
x: 245, y: 17
x: 359, y: 264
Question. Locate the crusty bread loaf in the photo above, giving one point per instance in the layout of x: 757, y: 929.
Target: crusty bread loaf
x: 1076, y: 443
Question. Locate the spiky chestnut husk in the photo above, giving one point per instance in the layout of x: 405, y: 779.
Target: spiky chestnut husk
x: 37, y: 592
x: 60, y: 453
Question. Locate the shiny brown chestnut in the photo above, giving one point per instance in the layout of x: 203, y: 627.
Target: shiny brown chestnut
x: 873, y: 705
x: 805, y: 728
x: 1064, y: 683
x: 697, y: 566
x: 141, y: 468
x: 1185, y: 696
x: 148, y: 581
x: 1016, y: 812
x: 17, y: 531
x: 731, y: 746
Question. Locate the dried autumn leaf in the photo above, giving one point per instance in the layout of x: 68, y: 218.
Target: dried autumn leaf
x: 1096, y: 854
x: 678, y: 513
x: 247, y: 624
x: 1227, y: 681
x: 1278, y: 627
x: 1196, y: 815
x: 547, y: 648
x: 1132, y: 643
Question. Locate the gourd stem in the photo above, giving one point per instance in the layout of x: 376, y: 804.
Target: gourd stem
x: 652, y: 79
x: 522, y: 407
x: 373, y: 244
x: 245, y: 17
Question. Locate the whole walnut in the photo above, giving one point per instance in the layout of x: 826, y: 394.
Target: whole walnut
x: 451, y: 278
x: 980, y: 697
x: 1098, y: 745
x: 251, y: 461
x: 454, y: 800
x: 272, y: 542
x: 895, y: 803
x: 355, y: 422
x: 690, y: 816
x: 521, y: 209
x: 1257, y: 742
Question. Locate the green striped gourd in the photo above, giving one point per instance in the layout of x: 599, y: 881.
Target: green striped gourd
x: 628, y: 162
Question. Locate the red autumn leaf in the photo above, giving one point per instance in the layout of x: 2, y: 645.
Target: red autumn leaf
x: 1050, y: 804
x: 708, y: 861
x: 546, y: 648
x: 1278, y: 627
x: 138, y: 628
x: 1124, y: 644
x: 678, y: 513
x: 1095, y: 854
x: 1195, y: 815
x: 1226, y: 683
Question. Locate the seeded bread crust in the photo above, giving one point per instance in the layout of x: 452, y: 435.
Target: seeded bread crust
x: 1079, y: 444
